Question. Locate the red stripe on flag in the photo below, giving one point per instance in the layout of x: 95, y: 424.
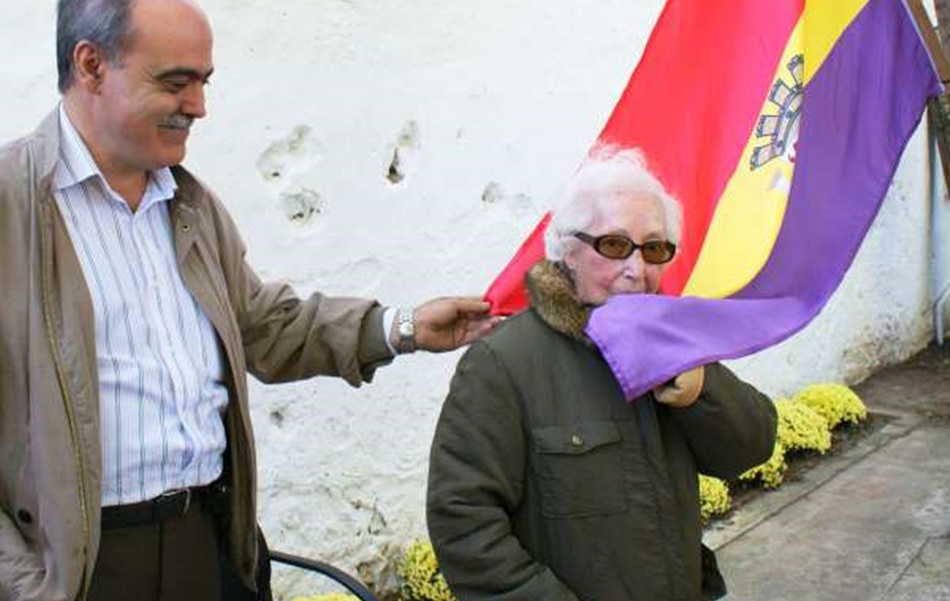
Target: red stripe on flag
x: 507, y: 294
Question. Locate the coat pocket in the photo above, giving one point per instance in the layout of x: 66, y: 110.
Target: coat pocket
x: 579, y: 469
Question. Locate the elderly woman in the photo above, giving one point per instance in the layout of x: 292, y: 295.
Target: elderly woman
x: 544, y: 483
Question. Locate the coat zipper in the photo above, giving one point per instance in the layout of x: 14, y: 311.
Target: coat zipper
x: 70, y: 414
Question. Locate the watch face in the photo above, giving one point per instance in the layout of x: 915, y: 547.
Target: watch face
x: 407, y: 331
x: 406, y: 326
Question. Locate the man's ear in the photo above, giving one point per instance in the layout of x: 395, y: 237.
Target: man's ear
x: 89, y: 65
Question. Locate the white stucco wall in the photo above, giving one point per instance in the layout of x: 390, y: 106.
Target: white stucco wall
x: 490, y: 106
x: 940, y: 249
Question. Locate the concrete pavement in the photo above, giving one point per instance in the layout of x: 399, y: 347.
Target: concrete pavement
x: 869, y: 524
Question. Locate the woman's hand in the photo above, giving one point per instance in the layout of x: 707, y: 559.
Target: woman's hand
x: 683, y: 390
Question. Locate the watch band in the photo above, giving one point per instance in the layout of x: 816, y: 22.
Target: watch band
x: 406, y: 327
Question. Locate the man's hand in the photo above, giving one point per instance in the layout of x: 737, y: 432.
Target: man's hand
x: 683, y: 390
x: 444, y: 324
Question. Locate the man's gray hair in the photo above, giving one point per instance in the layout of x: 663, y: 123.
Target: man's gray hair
x: 609, y: 171
x: 105, y: 23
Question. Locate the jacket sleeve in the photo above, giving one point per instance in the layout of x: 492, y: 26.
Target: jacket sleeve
x: 731, y: 427
x: 476, y: 481
x: 22, y: 572
x: 288, y: 338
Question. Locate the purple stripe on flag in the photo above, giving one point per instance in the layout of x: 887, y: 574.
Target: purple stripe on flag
x: 859, y: 110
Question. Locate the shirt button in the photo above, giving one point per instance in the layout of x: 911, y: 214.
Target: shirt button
x: 577, y: 441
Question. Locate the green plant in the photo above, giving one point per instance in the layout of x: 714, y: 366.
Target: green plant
x: 770, y: 473
x: 421, y: 579
x: 834, y: 402
x: 801, y: 428
x: 714, y: 497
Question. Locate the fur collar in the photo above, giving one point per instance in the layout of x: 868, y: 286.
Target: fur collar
x: 553, y: 297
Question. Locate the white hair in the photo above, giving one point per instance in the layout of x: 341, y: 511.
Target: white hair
x: 608, y: 172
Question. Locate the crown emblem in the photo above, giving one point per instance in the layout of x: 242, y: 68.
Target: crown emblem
x: 779, y: 131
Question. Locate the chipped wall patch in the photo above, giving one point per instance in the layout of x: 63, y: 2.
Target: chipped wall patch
x: 301, y: 205
x: 403, y: 152
x: 295, y: 153
x: 395, y: 174
x: 492, y: 193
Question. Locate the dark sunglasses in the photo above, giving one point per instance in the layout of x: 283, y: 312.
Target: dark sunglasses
x: 615, y: 246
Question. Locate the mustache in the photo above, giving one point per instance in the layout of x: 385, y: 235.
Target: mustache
x: 177, y: 121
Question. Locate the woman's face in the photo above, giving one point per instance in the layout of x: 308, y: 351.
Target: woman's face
x: 596, y: 277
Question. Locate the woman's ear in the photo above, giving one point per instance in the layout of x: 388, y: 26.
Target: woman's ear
x: 569, y: 259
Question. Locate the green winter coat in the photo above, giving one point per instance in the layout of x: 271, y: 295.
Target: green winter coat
x: 546, y: 485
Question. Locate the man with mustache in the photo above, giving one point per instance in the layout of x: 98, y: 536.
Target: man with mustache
x: 129, y: 321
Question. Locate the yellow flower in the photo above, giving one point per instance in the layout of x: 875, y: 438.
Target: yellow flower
x: 834, y: 402
x: 772, y: 471
x: 420, y: 575
x: 801, y: 428
x: 713, y: 497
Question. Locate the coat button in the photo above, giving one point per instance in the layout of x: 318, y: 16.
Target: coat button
x: 577, y: 441
x: 24, y: 516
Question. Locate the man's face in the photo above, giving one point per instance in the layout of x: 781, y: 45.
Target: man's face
x: 149, y: 98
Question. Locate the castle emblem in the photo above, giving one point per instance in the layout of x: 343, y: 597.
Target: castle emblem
x: 780, y: 131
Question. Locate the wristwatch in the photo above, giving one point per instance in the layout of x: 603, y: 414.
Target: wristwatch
x: 406, y: 328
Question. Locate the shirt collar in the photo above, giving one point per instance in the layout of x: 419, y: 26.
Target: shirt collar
x: 76, y: 165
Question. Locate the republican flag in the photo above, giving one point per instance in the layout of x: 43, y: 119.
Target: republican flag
x: 778, y: 124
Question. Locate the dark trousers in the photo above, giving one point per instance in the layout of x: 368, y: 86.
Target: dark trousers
x: 175, y: 560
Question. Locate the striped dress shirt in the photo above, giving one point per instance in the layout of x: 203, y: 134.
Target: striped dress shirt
x: 161, y: 368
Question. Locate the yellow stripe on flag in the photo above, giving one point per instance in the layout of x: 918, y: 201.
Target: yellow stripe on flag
x: 749, y: 214
x: 825, y: 21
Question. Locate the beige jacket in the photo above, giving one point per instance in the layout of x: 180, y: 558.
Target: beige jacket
x: 49, y: 406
